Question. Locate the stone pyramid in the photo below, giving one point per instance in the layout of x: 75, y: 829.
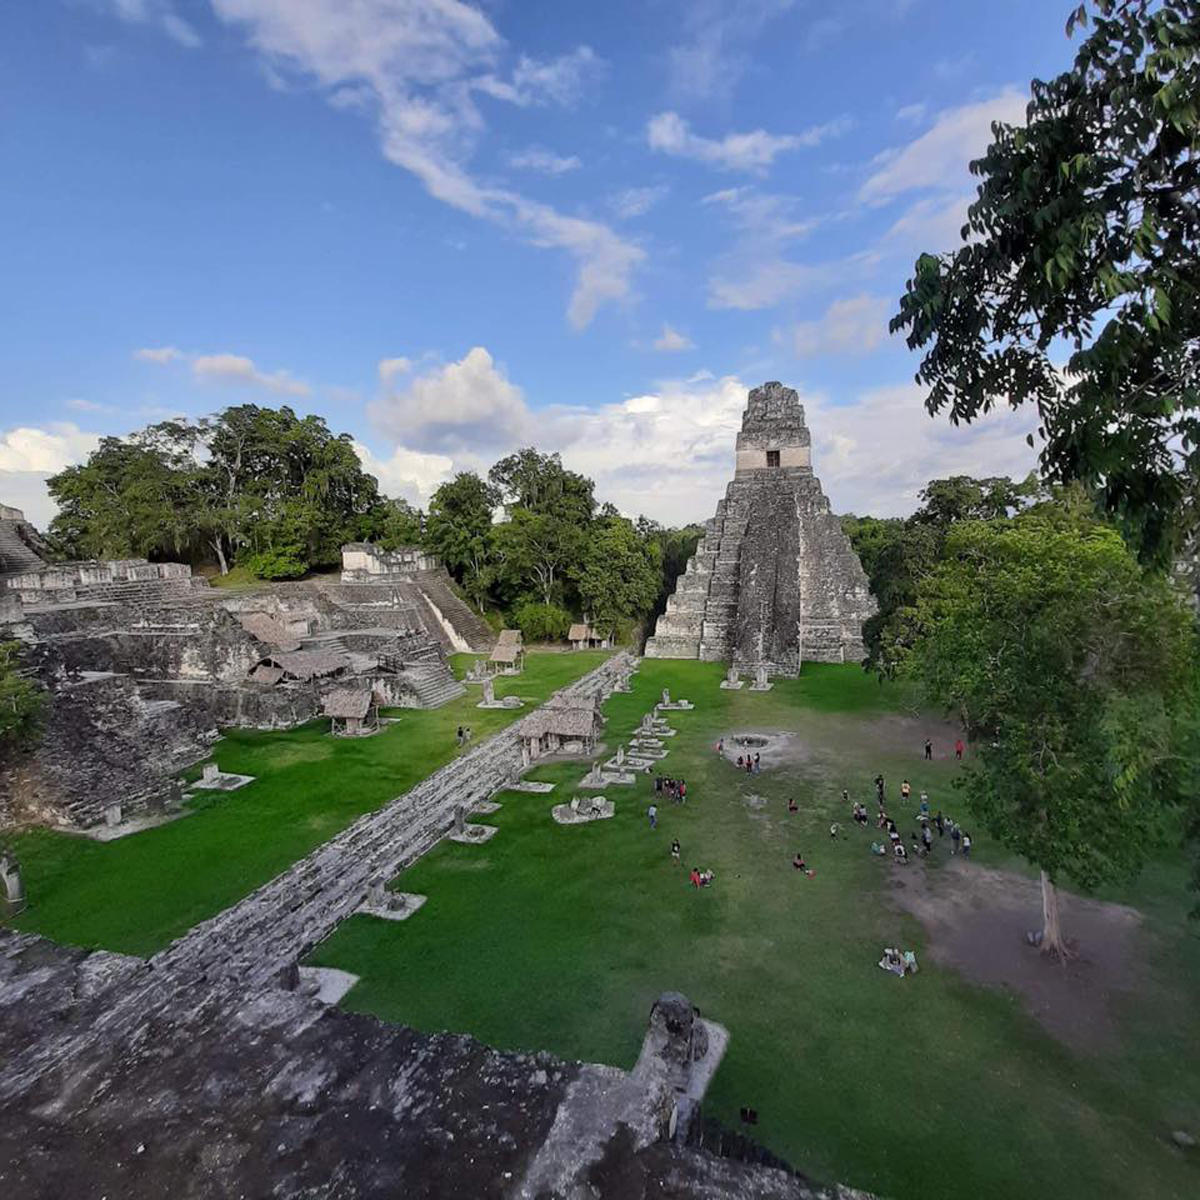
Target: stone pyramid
x: 774, y: 580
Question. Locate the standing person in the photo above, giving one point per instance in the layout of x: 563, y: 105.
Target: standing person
x: 925, y: 804
x: 675, y: 850
x: 652, y: 813
x: 906, y: 791
x: 958, y: 749
x: 955, y: 834
x: 928, y: 750
x: 845, y: 796
x: 683, y: 791
x: 940, y: 822
x: 720, y: 745
x: 460, y: 737
x: 833, y: 832
x: 966, y: 844
x: 879, y: 789
x: 926, y: 839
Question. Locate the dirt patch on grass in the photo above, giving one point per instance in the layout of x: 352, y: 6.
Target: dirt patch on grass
x: 976, y: 919
x: 900, y: 733
x: 775, y: 747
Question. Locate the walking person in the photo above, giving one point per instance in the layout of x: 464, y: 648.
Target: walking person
x: 906, y: 791
x: 460, y: 737
x: 675, y: 851
x: 652, y: 813
x: 955, y: 834
x: 958, y: 749
x: 966, y: 844
x: 928, y: 750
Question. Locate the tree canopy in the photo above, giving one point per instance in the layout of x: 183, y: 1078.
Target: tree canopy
x: 262, y: 486
x: 1076, y: 290
x: 1074, y: 669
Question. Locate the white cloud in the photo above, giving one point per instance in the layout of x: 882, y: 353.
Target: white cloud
x: 940, y: 155
x: 407, y: 473
x: 236, y: 368
x: 416, y: 64
x: 933, y: 223
x: 161, y: 14
x: 767, y: 217
x: 80, y: 405
x: 30, y: 455
x: 389, y: 368
x: 713, y: 55
x: 637, y: 201
x: 874, y: 455
x: 160, y: 354
x: 560, y: 80
x: 467, y: 405
x: 850, y: 325
x: 774, y: 280
x: 755, y: 151
x: 912, y: 113
x: 671, y: 340
x: 545, y: 162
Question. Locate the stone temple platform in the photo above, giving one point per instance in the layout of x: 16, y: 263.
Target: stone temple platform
x: 774, y: 580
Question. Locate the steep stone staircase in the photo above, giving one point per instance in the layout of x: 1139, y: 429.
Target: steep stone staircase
x: 17, y: 554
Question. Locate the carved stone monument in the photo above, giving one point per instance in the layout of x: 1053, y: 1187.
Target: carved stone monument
x: 11, y: 883
x: 761, y: 681
x: 732, y: 681
x: 774, y: 579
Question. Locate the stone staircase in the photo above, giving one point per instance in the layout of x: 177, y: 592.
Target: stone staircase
x: 17, y: 555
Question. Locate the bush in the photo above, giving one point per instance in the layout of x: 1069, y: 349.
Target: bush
x: 282, y: 563
x: 22, y: 701
x: 542, y: 622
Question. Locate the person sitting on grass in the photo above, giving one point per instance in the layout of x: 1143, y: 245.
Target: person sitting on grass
x: 792, y: 805
x: 878, y: 848
x: 900, y: 852
x: 706, y: 877
x: 739, y: 760
x: 800, y: 865
x: 694, y: 877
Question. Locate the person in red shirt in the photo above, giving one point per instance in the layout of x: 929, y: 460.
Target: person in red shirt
x: 694, y: 878
x: 958, y: 749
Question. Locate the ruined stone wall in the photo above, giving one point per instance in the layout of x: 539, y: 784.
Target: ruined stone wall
x: 103, y: 743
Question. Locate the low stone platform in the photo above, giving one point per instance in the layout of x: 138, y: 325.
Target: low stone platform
x: 221, y: 781
x: 530, y: 785
x: 485, y: 808
x: 326, y: 984
x: 396, y: 906
x: 474, y: 835
x: 583, y: 812
x: 139, y: 824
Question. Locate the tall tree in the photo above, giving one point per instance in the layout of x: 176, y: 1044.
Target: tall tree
x: 541, y: 484
x: 538, y: 549
x: 1075, y: 671
x: 617, y: 573
x: 22, y: 701
x: 459, y: 531
x: 1086, y: 235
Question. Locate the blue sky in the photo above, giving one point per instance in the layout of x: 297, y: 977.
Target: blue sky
x: 453, y: 229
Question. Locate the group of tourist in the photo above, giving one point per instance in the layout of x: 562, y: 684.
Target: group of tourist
x: 918, y: 844
x: 676, y: 789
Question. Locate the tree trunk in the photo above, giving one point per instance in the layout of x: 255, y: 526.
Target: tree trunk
x: 220, y: 554
x: 1052, y: 939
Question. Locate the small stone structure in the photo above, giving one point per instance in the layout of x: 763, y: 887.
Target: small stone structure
x: 584, y: 809
x: 774, y: 579
x: 732, y: 681
x: 352, y: 712
x: 762, y: 682
x: 508, y: 657
x: 213, y: 779
x: 11, y: 884
x: 583, y: 636
x: 559, y: 729
x: 666, y: 704
x: 489, y: 697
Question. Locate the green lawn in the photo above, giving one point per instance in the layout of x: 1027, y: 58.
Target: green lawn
x: 560, y: 938
x: 141, y: 892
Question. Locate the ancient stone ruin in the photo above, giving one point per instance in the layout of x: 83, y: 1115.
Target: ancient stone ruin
x: 145, y: 661
x: 774, y: 580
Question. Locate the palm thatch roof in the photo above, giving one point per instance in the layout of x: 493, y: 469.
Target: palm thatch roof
x: 505, y: 653
x: 564, y: 722
x: 348, y: 704
x: 580, y: 633
x: 265, y: 628
x: 509, y: 637
x: 266, y: 674
x: 309, y: 664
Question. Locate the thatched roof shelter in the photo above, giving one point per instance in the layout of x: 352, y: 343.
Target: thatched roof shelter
x: 265, y: 628
x: 348, y: 704
x: 509, y: 637
x: 308, y: 664
x: 580, y: 633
